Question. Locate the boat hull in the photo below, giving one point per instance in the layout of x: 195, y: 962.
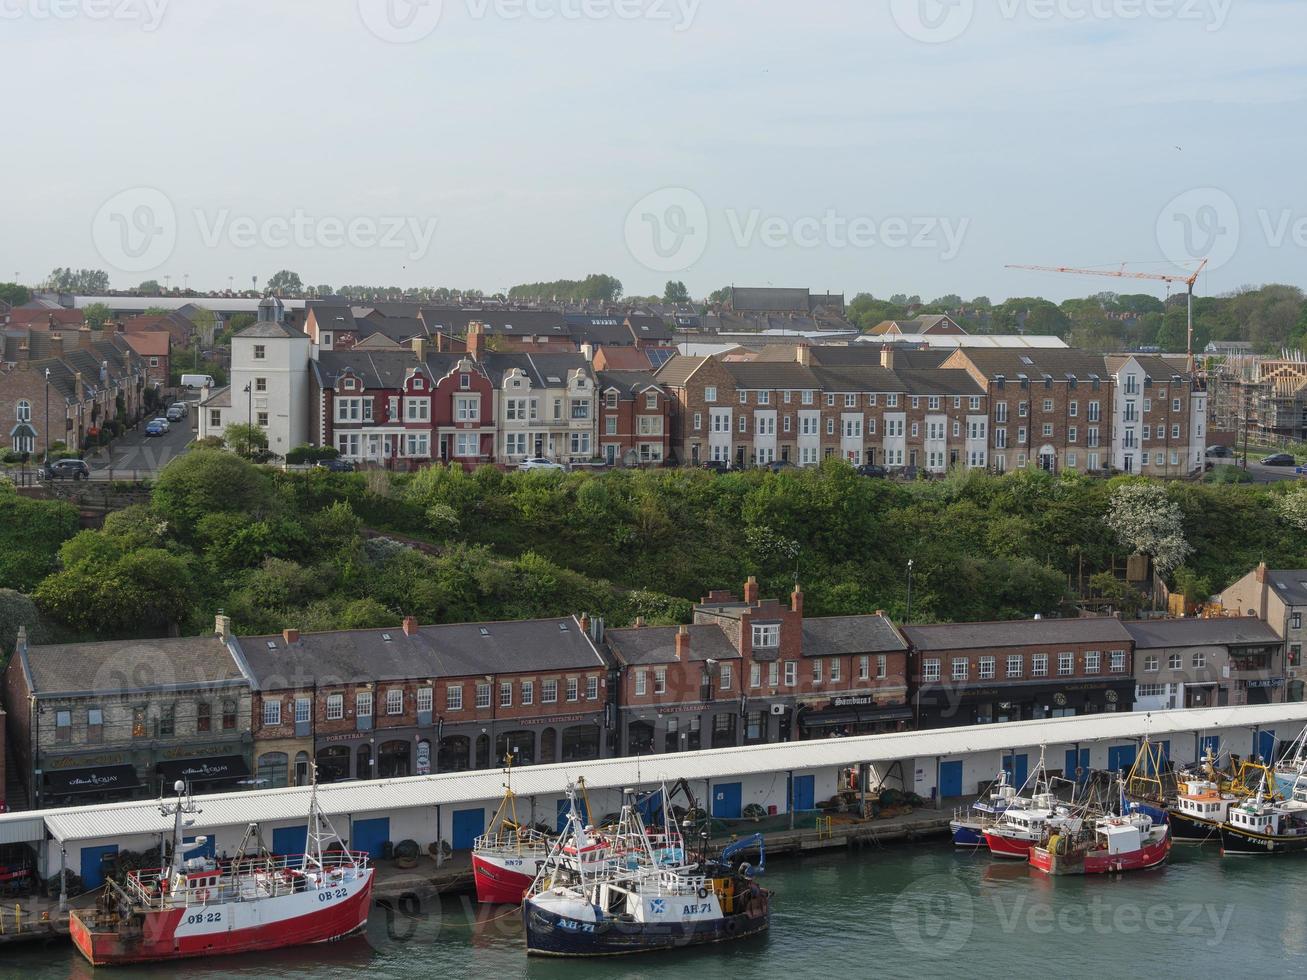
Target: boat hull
x: 1095, y: 862
x: 502, y: 880
x: 1193, y: 830
x: 224, y: 928
x: 1008, y: 847
x: 1242, y: 842
x: 969, y: 835
x: 550, y: 934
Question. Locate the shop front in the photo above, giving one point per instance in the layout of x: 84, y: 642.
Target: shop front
x: 852, y: 715
x: 209, y: 774
x: 937, y: 707
x: 96, y: 780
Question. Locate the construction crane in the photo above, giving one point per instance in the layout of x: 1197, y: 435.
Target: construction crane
x: 1123, y: 273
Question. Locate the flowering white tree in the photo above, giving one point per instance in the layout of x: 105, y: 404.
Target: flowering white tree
x: 1293, y: 508
x: 1146, y: 520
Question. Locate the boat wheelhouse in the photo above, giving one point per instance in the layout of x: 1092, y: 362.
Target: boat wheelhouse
x: 969, y: 825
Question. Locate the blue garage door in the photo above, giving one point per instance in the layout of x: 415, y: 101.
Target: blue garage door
x: 1264, y: 746
x: 950, y: 779
x: 1077, y: 767
x: 93, y: 864
x: 370, y: 835
x: 726, y: 800
x: 1018, y: 769
x: 290, y: 840
x: 563, y: 807
x: 468, y: 826
x: 208, y: 849
x: 804, y: 793
x: 1121, y: 757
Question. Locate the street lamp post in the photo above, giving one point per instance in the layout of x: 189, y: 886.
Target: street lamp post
x: 47, y: 416
x: 249, y: 419
x: 908, y: 617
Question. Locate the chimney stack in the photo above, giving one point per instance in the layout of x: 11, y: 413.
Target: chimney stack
x: 796, y: 600
x: 474, y: 339
x: 419, y: 348
x: 222, y: 626
x: 290, y: 636
x: 585, y: 622
x: 803, y: 355
x: 410, y: 625
x: 683, y: 643
x: 84, y: 335
x: 56, y: 344
x: 751, y: 590
x: 887, y: 358
x: 588, y: 352
x: 1261, y: 573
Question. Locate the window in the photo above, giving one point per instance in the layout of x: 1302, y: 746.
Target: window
x: 505, y: 694
x: 835, y: 670
x: 773, y: 673
x: 592, y: 688
x: 767, y: 636
x: 961, y: 669
x: 728, y: 677
x: 988, y: 668
x: 469, y: 443
x: 1200, y: 660
x: 830, y: 399
x: 744, y: 398
x: 516, y: 444
x: 138, y: 722
x: 850, y: 401
x: 515, y: 409
x: 1023, y: 409
x: 95, y: 723
x: 1048, y: 404
x: 1066, y: 664
x: 215, y: 418
x: 581, y: 409
x: 698, y: 421
x: 1295, y: 621
x: 1015, y: 663
x: 1000, y: 411
x: 930, y: 670
x: 574, y: 690
x: 272, y: 713
x: 303, y: 709
x: 363, y: 706
x: 755, y: 675
x: 203, y: 716
x: 1039, y: 665
x: 806, y: 398
x: 580, y: 443
x: 1151, y: 690
x: 1071, y: 433
x: 549, y: 692
x: 260, y: 352
x: 1175, y: 661
x: 641, y: 683
x: 335, y: 707
x: 228, y: 716
x: 651, y: 401
x: 467, y: 409
x: 261, y: 419
x: 63, y: 726
x: 24, y: 411
x: 710, y: 393
x: 483, y: 696
x: 882, y: 666
x: 417, y: 410
x: 764, y: 398
x: 1093, y: 661
x: 260, y: 384
x: 1150, y: 664
x: 1118, y: 662
x: 791, y: 673
x: 816, y: 670
x: 1048, y: 429
x: 528, y: 692
x: 395, y: 701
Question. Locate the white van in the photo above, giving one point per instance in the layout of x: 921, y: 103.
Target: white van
x: 197, y: 381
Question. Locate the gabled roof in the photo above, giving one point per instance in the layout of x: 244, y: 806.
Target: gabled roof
x: 677, y: 371
x: 1034, y: 364
x: 153, y: 343
x: 830, y: 636
x: 657, y: 644
x: 376, y: 369
x: 181, y: 662
x: 271, y: 330
x: 647, y: 328
x: 543, y: 370
x: 772, y: 374
x: 521, y: 323
x: 627, y: 383
x: 330, y: 316
x: 1219, y: 631
x: 398, y: 328
x: 1290, y: 584
x: 607, y: 331
x: 1017, y: 633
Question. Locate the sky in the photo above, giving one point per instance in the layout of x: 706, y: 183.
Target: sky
x: 891, y: 146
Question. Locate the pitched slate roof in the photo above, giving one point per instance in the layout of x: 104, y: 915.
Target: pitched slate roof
x: 376, y: 369
x: 649, y: 328
x: 130, y: 665
x: 522, y: 323
x: 657, y: 644
x: 397, y: 328
x: 1222, y: 631
x: 330, y: 316
x: 768, y: 299
x: 152, y: 343
x: 544, y: 370
x: 1290, y: 584
x: 1017, y: 633
x: 457, y: 650
x: 270, y: 330
x: 772, y: 374
x: 1034, y: 364
x: 608, y: 331
x: 677, y: 371
x: 831, y: 636
x: 628, y: 383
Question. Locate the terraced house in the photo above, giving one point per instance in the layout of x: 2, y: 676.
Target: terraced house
x: 546, y: 406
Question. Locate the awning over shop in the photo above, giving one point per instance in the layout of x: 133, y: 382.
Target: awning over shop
x: 101, y: 779
x: 204, y: 770
x: 837, y: 717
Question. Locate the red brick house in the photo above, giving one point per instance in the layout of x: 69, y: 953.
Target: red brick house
x: 155, y: 348
x: 635, y: 419
x: 751, y: 671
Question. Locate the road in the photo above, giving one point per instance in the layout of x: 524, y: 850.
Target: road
x: 1260, y: 473
x: 136, y: 453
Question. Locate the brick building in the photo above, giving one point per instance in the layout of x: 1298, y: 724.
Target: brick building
x: 1277, y: 596
x: 1206, y: 663
x: 635, y: 419
x: 1159, y: 417
x: 978, y: 673
x: 750, y: 671
x: 413, y: 699
x: 90, y: 722
x: 155, y: 350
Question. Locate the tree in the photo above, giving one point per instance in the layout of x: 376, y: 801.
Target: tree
x: 150, y: 287
x: 1293, y: 507
x: 97, y: 314
x: 244, y: 440
x: 83, y: 281
x: 1148, y: 521
x: 144, y: 591
x: 14, y: 294
x: 675, y: 292
x: 16, y: 610
x: 286, y: 282
x: 207, y: 481
x: 323, y: 290
x: 719, y: 296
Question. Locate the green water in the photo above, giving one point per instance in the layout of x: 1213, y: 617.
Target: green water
x: 921, y: 911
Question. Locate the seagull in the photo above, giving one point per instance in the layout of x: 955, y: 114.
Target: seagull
x: 1180, y: 148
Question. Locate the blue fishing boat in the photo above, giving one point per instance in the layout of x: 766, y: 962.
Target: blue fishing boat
x: 969, y: 824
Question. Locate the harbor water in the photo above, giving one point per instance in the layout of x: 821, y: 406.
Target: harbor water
x: 915, y: 911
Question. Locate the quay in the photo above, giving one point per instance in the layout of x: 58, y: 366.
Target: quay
x: 780, y: 790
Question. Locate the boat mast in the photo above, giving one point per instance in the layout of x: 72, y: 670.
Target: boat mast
x: 175, y: 810
x: 321, y: 831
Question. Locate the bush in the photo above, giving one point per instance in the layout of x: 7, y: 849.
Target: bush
x: 311, y: 454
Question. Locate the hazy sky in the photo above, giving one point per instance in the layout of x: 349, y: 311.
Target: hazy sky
x: 890, y: 146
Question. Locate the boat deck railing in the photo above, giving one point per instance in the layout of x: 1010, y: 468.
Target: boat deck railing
x: 523, y: 842
x: 244, y: 880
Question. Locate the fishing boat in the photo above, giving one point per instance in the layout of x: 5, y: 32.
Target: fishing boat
x: 1290, y: 764
x: 969, y: 825
x: 507, y: 859
x: 1108, y: 843
x: 1262, y: 825
x: 1199, y: 810
x: 202, y: 907
x: 1029, y: 820
x: 585, y: 904
x: 1152, y: 782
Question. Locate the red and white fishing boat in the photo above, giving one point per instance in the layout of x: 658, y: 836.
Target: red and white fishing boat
x: 507, y: 859
x: 1028, y: 820
x: 1128, y: 840
x: 202, y: 907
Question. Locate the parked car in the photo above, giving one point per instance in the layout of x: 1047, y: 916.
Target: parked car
x: 1279, y: 459
x: 872, y: 469
x: 777, y: 465
x: 68, y: 469
x: 715, y: 465
x: 337, y: 465
x: 1221, y: 452
x: 156, y: 427
x: 162, y: 421
x: 176, y: 412
x: 540, y: 463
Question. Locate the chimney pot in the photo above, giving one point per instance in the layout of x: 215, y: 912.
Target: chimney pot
x: 585, y: 622
x: 796, y: 600
x: 1261, y: 572
x: 290, y: 636
x: 751, y: 590
x: 410, y: 625
x: 683, y: 643
x: 222, y: 626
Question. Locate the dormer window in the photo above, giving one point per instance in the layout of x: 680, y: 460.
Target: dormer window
x: 767, y: 635
x: 349, y: 384
x: 417, y: 384
x: 465, y: 381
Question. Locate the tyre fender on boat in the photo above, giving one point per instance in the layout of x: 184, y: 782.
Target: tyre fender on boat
x: 703, y: 892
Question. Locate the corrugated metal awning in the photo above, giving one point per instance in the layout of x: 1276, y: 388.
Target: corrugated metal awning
x: 21, y: 829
